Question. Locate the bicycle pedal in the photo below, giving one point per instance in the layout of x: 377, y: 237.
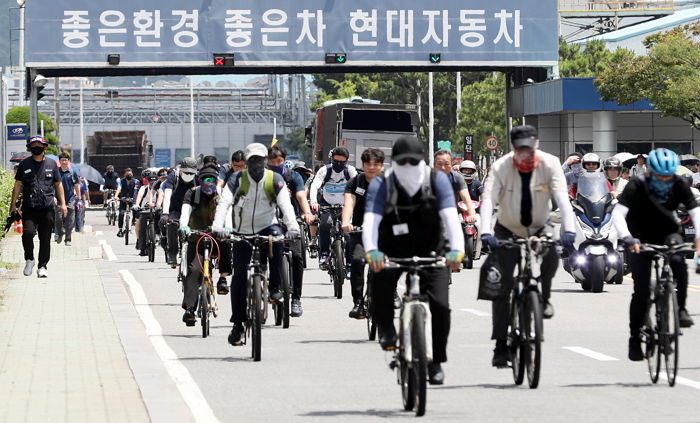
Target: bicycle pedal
x: 393, y: 364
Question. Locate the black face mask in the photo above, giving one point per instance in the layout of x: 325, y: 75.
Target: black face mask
x: 36, y: 150
x: 338, y: 166
x: 129, y: 177
x: 256, y: 168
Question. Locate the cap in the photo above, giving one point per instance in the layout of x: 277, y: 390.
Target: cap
x: 523, y: 136
x: 188, y: 163
x: 208, y: 171
x: 255, y: 149
x: 407, y: 148
x: 37, y: 138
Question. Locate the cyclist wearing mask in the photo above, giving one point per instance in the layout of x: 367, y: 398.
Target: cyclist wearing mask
x: 144, y: 200
x: 174, y: 190
x: 645, y: 214
x: 613, y: 171
x: 112, y: 182
x: 331, y: 179
x: 406, y: 212
x: 522, y: 183
x: 276, y: 159
x: 468, y: 170
x: 252, y: 198
x: 128, y: 190
x: 226, y: 171
x: 197, y: 214
x: 443, y: 163
x: 353, y: 216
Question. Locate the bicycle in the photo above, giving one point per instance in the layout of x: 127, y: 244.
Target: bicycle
x: 369, y: 310
x: 207, y: 296
x: 415, y: 347
x: 336, y: 259
x: 525, y: 331
x: 126, y: 224
x: 282, y: 311
x: 257, y: 287
x: 148, y: 217
x: 111, y: 208
x: 661, y: 329
x: 303, y: 238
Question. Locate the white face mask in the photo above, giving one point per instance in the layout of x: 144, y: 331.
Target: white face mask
x: 409, y: 177
x: 187, y: 178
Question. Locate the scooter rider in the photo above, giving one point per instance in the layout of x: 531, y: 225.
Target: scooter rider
x: 522, y: 183
x: 405, y: 214
x: 252, y: 198
x: 645, y: 214
x: 613, y: 171
x: 174, y: 191
x: 468, y: 170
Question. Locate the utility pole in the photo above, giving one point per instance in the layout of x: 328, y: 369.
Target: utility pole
x: 431, y: 118
x: 20, y: 3
x: 459, y: 95
x: 3, y: 106
x: 33, y: 124
x: 57, y: 107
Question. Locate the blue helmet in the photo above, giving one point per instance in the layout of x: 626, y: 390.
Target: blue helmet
x: 663, y: 161
x: 288, y: 164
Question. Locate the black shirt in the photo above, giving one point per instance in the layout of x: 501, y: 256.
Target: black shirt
x: 358, y: 187
x: 38, y: 180
x: 177, y: 197
x: 526, y: 200
x: 647, y: 219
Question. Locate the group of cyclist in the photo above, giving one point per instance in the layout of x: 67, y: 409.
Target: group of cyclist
x: 408, y: 210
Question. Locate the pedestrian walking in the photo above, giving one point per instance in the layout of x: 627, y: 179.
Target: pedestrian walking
x: 71, y: 191
x: 82, y: 203
x: 39, y: 182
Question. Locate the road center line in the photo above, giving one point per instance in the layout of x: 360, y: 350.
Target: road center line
x: 590, y: 353
x: 476, y: 312
x: 189, y: 390
x: 683, y: 381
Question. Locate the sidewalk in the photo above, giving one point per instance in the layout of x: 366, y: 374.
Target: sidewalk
x: 61, y: 359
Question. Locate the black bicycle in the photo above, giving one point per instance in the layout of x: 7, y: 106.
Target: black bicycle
x: 206, y: 304
x: 369, y: 309
x: 336, y: 259
x: 126, y: 225
x: 282, y: 311
x: 111, y: 207
x: 148, y: 218
x: 661, y: 330
x: 414, y: 351
x: 526, y: 330
x: 257, y: 289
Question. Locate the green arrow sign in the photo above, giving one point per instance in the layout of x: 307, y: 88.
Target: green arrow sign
x: 435, y: 58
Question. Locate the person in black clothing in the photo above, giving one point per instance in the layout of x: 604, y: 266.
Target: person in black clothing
x: 126, y: 192
x: 353, y: 216
x: 71, y: 190
x: 111, y: 183
x: 38, y: 180
x: 654, y: 198
x: 174, y: 189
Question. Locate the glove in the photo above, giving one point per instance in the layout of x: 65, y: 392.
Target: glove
x: 630, y: 240
x: 163, y: 220
x: 221, y: 233
x: 292, y: 235
x: 567, y: 240
x: 374, y: 256
x: 185, y: 231
x: 490, y: 241
x: 454, y: 256
x: 135, y: 207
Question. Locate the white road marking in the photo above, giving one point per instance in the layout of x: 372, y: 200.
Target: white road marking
x: 590, y: 353
x: 476, y: 312
x: 108, y: 250
x: 189, y: 390
x: 98, y: 233
x: 683, y: 381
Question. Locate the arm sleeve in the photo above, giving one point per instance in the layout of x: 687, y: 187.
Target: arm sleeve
x: 284, y: 202
x: 566, y: 211
x: 453, y: 229
x: 618, y: 217
x: 352, y: 171
x: 316, y: 184
x: 166, y: 199
x: 185, y: 214
x: 695, y: 216
x: 119, y: 183
x: 223, y: 206
x: 492, y: 189
x: 374, y: 213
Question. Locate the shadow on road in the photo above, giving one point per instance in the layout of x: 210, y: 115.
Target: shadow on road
x: 227, y: 359
x: 480, y: 385
x: 337, y: 413
x: 607, y: 385
x: 334, y: 341
x: 575, y: 291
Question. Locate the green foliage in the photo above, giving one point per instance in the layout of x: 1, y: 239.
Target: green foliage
x: 668, y: 76
x: 294, y: 144
x: 6, y: 185
x: 20, y: 114
x: 582, y: 61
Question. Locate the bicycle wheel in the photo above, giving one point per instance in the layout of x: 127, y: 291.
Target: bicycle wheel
x: 286, y: 289
x: 420, y: 361
x: 515, y: 342
x: 533, y: 338
x: 204, y: 307
x: 127, y: 225
x: 650, y: 338
x: 371, y: 325
x: 468, y: 253
x: 256, y: 302
x: 671, y: 333
x: 302, y: 239
x: 114, y: 215
x: 406, y: 379
x: 338, y: 269
x: 151, y: 243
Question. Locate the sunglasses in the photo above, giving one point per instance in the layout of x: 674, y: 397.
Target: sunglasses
x: 209, y: 179
x: 412, y: 161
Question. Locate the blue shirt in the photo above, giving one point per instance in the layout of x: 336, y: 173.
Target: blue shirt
x: 69, y: 179
x: 376, y: 194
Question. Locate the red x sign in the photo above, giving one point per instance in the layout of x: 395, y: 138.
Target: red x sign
x: 218, y: 61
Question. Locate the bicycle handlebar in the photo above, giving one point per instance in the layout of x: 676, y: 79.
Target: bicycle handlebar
x: 253, y: 238
x: 686, y: 247
x: 516, y: 242
x: 414, y: 262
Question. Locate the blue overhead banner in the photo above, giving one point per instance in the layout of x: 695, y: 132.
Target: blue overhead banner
x: 81, y: 33
x: 163, y: 157
x: 17, y: 131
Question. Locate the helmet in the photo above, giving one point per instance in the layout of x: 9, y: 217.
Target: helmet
x: 146, y: 173
x: 590, y: 158
x: 663, y: 161
x: 37, y: 138
x: 468, y: 164
x: 188, y: 163
x: 288, y: 164
x: 613, y: 163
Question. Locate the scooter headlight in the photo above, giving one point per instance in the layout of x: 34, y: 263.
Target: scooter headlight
x: 580, y: 259
x: 612, y: 259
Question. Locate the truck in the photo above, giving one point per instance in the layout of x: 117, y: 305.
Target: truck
x: 358, y: 125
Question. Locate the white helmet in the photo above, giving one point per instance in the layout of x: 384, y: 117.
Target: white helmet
x: 591, y: 158
x: 468, y: 164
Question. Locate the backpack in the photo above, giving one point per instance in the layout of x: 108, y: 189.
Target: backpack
x: 244, y: 185
x: 228, y: 174
x: 329, y: 170
x: 392, y: 194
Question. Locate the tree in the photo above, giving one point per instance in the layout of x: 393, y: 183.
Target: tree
x: 293, y: 142
x: 668, y: 76
x: 20, y: 114
x: 581, y: 61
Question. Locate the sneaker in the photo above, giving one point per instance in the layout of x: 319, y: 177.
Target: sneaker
x: 222, y: 286
x: 59, y: 239
x: 297, y: 311
x: 234, y: 338
x: 120, y: 233
x: 68, y: 243
x: 397, y: 300
x: 323, y: 262
x: 189, y: 317
x: 436, y: 376
x: 548, y: 312
x: 275, y: 297
x: 634, y: 351
x: 28, y: 267
x: 685, y: 320
x: 387, y: 340
x: 501, y: 355
x: 358, y: 311
x: 42, y: 272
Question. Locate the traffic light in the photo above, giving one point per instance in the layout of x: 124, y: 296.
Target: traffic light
x: 336, y: 58
x: 226, y: 59
x: 39, y: 95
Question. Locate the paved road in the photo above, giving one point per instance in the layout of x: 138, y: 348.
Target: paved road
x: 323, y: 367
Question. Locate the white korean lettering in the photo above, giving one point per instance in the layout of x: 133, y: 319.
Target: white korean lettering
x: 472, y: 38
x: 189, y: 20
x: 241, y: 24
x: 361, y: 21
x: 112, y: 19
x: 275, y: 18
x: 75, y: 26
x: 432, y: 34
x: 503, y: 29
x: 405, y: 24
x: 306, y: 17
x: 148, y: 24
